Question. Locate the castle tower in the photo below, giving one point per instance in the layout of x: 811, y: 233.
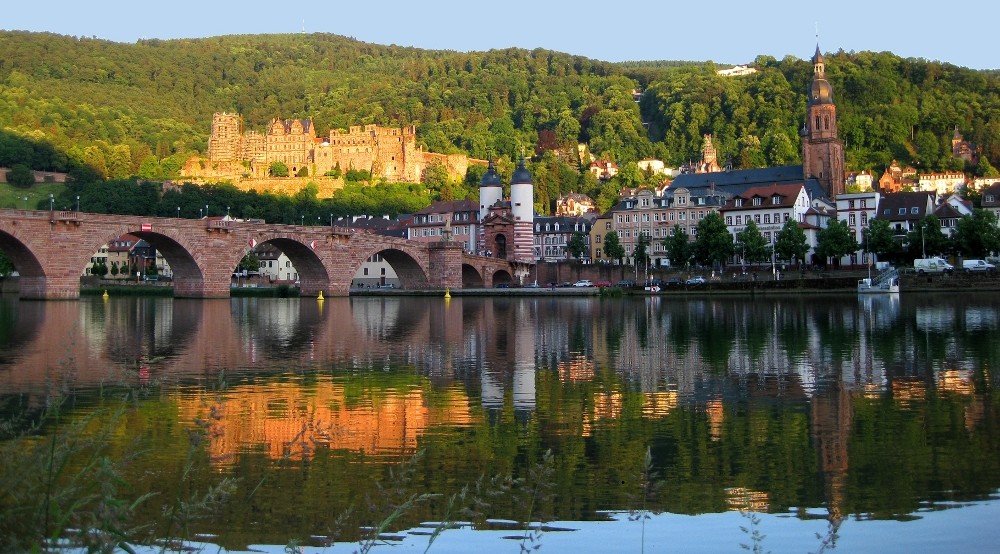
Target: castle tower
x: 822, y: 151
x: 522, y: 204
x: 224, y: 141
x: 490, y: 192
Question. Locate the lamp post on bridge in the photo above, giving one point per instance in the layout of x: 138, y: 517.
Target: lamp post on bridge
x: 78, y: 202
x: 178, y: 212
x: 52, y: 202
x: 331, y: 220
x: 303, y: 221
x: 26, y: 202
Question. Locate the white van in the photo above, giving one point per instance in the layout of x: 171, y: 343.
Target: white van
x: 932, y: 265
x: 977, y: 265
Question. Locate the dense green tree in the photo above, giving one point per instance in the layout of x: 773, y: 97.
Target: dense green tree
x: 927, y: 239
x: 640, y: 254
x: 613, y: 248
x: 278, y: 169
x: 6, y: 265
x: 977, y: 235
x: 576, y: 245
x: 249, y: 263
x: 880, y: 240
x: 678, y: 246
x: 751, y: 245
x: 791, y: 244
x: 835, y: 241
x: 713, y: 244
x: 20, y: 176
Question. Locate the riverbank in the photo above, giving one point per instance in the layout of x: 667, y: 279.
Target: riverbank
x: 806, y: 283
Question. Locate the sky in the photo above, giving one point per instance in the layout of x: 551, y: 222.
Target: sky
x: 723, y: 31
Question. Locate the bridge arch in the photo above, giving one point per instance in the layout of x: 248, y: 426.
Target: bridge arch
x: 471, y: 277
x: 405, y: 262
x: 314, y: 276
x: 21, y: 252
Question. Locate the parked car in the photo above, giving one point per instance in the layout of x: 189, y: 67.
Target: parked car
x: 583, y: 283
x: 565, y: 284
x: 532, y: 285
x: 652, y: 283
x: 673, y: 283
x: 695, y: 281
x: 602, y: 284
x: 626, y: 283
x: 502, y: 285
x: 932, y: 265
x: 977, y: 265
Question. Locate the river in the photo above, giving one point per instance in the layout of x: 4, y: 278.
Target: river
x: 830, y: 409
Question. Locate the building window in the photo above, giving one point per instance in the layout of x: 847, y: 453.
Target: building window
x: 914, y: 210
x: 851, y: 220
x: 767, y: 218
x: 850, y: 204
x: 729, y: 220
x: 739, y: 220
x: 902, y: 211
x: 756, y: 218
x: 757, y: 201
x: 776, y: 200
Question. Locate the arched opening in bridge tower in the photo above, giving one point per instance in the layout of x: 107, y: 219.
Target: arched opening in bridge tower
x: 500, y: 248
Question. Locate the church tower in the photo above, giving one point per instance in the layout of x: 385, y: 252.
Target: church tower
x: 822, y: 151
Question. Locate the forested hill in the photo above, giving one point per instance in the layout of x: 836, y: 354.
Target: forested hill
x: 139, y: 109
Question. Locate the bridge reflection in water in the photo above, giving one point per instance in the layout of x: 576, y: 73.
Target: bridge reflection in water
x: 383, y: 377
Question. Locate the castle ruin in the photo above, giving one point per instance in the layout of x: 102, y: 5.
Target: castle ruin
x: 389, y: 153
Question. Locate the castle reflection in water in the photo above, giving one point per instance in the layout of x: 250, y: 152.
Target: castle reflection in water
x: 292, y: 366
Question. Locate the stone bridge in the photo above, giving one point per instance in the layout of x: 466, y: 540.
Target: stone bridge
x: 51, y: 249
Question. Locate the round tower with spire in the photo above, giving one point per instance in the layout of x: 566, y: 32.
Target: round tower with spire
x: 522, y: 207
x: 490, y: 192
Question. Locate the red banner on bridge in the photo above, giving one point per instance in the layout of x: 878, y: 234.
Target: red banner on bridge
x: 147, y: 227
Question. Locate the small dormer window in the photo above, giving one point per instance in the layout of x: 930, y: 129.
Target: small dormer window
x: 739, y: 202
x: 757, y: 201
x: 914, y: 210
x: 902, y: 211
x: 776, y: 200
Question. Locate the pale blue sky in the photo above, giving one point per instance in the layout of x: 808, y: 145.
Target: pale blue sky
x: 724, y: 31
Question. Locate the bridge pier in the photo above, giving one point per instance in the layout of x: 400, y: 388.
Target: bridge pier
x: 445, y: 265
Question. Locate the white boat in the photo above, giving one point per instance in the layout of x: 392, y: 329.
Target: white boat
x: 886, y: 282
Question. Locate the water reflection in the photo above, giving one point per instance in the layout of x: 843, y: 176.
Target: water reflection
x: 868, y: 405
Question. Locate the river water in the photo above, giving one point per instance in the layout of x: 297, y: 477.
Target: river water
x: 804, y: 409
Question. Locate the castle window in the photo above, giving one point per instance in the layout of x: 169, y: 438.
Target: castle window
x: 817, y: 123
x: 826, y: 123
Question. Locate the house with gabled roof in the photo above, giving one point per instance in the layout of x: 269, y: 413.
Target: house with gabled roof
x: 904, y: 210
x: 769, y: 207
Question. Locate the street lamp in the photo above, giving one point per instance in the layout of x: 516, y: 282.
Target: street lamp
x: 77, y: 202
x: 331, y: 220
x: 52, y: 202
x: 178, y: 212
x: 227, y: 212
x: 303, y: 222
x: 206, y: 210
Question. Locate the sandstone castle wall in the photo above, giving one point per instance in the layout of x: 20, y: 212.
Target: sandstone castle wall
x: 390, y: 153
